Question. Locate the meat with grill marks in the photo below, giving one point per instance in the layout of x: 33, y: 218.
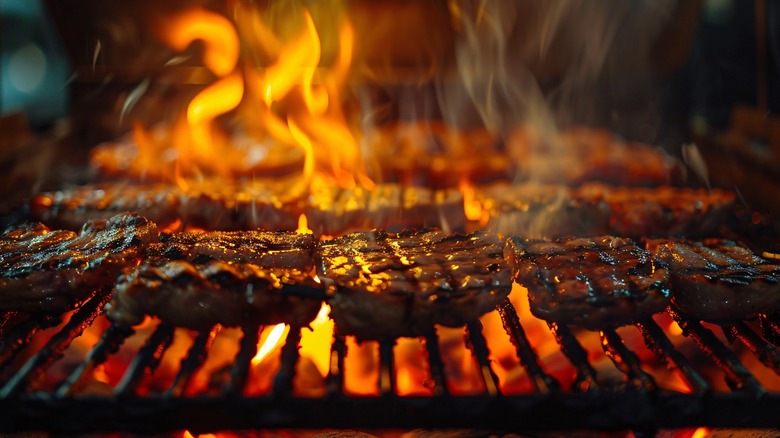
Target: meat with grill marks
x: 334, y: 211
x: 717, y: 279
x: 50, y: 271
x: 208, y: 204
x: 596, y: 283
x: 552, y: 211
x: 197, y: 280
x: 387, y: 285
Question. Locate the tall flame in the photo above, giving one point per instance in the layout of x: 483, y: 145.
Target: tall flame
x: 276, y: 95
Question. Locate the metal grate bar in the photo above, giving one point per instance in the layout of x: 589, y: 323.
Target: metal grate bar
x: 586, y: 375
x: 626, y: 360
x: 283, y: 381
x: 737, y: 376
x: 20, y: 335
x: 657, y: 341
x: 5, y: 318
x: 435, y: 364
x: 243, y: 361
x: 386, y: 367
x: 194, y: 359
x: 54, y: 348
x: 338, y: 350
x: 525, y: 352
x: 478, y: 346
x: 113, y: 337
x: 148, y: 357
x: 764, y: 351
x: 770, y: 326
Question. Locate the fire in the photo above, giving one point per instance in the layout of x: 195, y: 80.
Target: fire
x: 272, y: 338
x: 282, y: 103
x: 472, y: 206
x: 315, y: 343
x: 303, y: 227
x: 300, y: 103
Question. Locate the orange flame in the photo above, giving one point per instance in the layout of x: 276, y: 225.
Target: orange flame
x: 273, y: 337
x: 303, y: 228
x: 216, y: 32
x: 315, y: 343
x: 303, y: 104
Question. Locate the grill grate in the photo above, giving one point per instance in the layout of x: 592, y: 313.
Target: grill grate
x: 640, y: 402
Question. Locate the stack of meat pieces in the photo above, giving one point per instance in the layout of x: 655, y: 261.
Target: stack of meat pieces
x: 386, y: 284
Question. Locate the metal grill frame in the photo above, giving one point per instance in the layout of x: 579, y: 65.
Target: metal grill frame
x: 639, y: 405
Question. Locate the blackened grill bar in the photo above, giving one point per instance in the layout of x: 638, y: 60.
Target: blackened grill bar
x: 638, y: 403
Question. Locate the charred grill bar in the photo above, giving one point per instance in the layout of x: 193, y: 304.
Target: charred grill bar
x: 637, y: 402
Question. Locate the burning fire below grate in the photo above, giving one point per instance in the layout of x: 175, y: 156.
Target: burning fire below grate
x: 276, y: 141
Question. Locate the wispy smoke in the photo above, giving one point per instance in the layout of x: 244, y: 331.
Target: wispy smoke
x: 539, y: 61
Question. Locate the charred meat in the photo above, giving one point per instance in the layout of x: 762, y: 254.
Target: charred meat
x: 718, y: 279
x: 197, y: 280
x: 552, y: 211
x: 211, y: 205
x: 594, y: 283
x: 335, y: 211
x: 50, y: 271
x: 387, y: 285
x: 70, y: 208
x: 660, y: 211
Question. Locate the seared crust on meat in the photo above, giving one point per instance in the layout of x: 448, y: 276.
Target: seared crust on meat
x: 50, y: 271
x: 197, y: 280
x: 334, y: 211
x: 553, y: 211
x: 595, y: 283
x: 387, y: 285
x: 211, y: 205
x: 717, y: 279
x: 70, y: 208
x: 660, y: 211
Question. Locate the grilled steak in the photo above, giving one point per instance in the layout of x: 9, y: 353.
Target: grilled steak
x: 209, y: 204
x: 197, y: 280
x: 50, y: 271
x: 660, y: 211
x: 553, y: 211
x: 594, y: 283
x: 584, y: 154
x: 157, y: 161
x: 70, y: 208
x: 542, y: 211
x: 718, y: 279
x: 387, y: 285
x: 335, y: 211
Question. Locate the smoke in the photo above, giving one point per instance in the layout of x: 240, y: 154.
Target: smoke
x: 552, y: 62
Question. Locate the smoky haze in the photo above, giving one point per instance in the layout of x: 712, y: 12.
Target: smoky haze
x: 552, y: 63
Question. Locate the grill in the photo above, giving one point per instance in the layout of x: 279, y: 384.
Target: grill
x: 53, y: 368
x: 637, y: 401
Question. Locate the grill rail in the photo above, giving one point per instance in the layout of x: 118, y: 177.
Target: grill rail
x: 639, y: 402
